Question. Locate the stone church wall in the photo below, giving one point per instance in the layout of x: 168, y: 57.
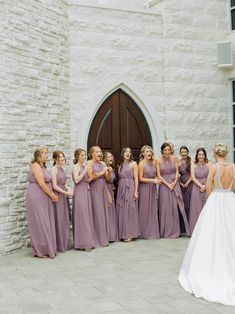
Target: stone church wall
x: 111, y: 48
x: 197, y: 101
x: 34, y: 101
x: 168, y: 60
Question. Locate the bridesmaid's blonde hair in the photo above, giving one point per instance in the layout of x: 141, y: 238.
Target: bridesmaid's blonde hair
x: 143, y: 148
x: 91, y: 151
x: 37, y: 154
x: 106, y: 159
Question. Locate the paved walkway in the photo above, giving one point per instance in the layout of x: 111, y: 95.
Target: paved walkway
x: 138, y: 277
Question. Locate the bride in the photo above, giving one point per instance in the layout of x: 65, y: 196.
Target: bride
x: 208, y: 269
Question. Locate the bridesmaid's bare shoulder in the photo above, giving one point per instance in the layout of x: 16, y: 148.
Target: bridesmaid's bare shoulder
x: 133, y: 164
x: 175, y: 159
x: 35, y: 166
x: 54, y: 170
x: 153, y: 161
x: 180, y: 161
x: 75, y: 166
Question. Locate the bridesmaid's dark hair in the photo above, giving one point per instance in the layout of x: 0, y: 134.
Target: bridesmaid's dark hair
x: 188, y: 159
x: 56, y: 154
x: 77, y: 153
x: 164, y: 145
x: 200, y: 149
x: 37, y: 154
x: 122, y: 156
x: 105, y: 159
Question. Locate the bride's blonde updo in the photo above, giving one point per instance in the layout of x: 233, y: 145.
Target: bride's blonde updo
x: 220, y: 150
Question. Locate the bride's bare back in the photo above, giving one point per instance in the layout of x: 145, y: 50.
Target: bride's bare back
x: 224, y: 176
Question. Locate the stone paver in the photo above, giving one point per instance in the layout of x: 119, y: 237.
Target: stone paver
x: 137, y: 277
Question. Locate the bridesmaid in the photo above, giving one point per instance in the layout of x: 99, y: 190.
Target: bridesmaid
x: 82, y: 210
x: 40, y: 213
x: 148, y: 209
x: 172, y: 146
x: 185, y: 177
x: 61, y: 208
x: 127, y: 195
x: 171, y: 204
x: 112, y: 214
x: 97, y: 171
x: 199, y: 173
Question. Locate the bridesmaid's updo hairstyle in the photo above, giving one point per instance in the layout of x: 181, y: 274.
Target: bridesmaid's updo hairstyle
x: 143, y: 148
x: 200, y: 149
x: 164, y: 145
x: 77, y: 153
x: 37, y: 154
x: 56, y: 155
x: 91, y: 151
x: 221, y: 150
x: 188, y: 159
x: 105, y: 159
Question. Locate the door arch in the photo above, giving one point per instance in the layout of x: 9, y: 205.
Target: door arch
x: 118, y: 123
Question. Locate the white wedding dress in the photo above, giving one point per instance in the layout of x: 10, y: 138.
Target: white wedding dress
x: 208, y: 269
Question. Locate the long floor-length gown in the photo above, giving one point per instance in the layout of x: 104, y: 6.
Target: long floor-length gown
x: 40, y: 216
x: 83, y: 229
x: 99, y: 196
x: 171, y: 204
x: 148, y: 207
x: 127, y: 206
x: 112, y: 213
x: 61, y: 212
x: 186, y: 192
x: 198, y: 199
x: 208, y: 268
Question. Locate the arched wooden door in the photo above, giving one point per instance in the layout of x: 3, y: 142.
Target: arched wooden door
x: 118, y: 123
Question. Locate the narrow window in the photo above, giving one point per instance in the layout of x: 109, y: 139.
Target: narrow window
x: 232, y: 8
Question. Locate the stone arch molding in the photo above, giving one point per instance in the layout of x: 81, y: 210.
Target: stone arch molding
x: 139, y: 98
